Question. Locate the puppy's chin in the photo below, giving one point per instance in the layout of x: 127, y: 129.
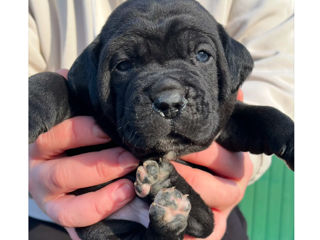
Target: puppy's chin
x: 158, y: 143
x: 147, y: 134
x: 174, y: 146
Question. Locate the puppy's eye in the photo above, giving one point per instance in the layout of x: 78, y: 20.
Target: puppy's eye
x: 203, y: 56
x: 124, y: 65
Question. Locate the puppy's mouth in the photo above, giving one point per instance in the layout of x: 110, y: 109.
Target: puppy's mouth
x: 157, y: 135
x: 170, y: 114
x: 171, y: 143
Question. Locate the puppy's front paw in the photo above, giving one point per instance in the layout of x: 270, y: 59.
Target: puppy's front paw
x: 170, y: 211
x: 151, y: 177
x: 287, y: 153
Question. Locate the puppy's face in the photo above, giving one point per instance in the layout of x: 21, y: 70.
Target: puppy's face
x: 163, y: 82
x: 165, y: 89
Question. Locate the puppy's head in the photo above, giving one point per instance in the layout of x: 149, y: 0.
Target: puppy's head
x: 162, y: 76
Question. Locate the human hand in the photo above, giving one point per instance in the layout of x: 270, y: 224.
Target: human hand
x: 52, y: 174
x: 222, y: 191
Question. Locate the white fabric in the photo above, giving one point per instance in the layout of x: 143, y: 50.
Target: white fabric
x: 59, y: 30
x: 136, y: 211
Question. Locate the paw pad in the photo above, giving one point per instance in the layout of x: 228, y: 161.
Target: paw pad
x: 151, y: 177
x: 146, y: 175
x: 171, y: 209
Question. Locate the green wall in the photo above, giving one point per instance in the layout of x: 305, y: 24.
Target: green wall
x: 268, y: 204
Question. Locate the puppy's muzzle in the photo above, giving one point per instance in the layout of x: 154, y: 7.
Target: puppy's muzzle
x: 168, y: 99
x: 169, y: 103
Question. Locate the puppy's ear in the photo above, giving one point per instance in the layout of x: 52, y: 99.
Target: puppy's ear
x: 238, y: 59
x: 83, y: 73
x: 89, y: 80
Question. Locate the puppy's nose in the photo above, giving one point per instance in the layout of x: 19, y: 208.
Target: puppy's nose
x: 169, y: 103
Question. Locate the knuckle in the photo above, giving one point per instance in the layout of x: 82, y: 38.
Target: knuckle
x: 63, y: 218
x: 101, y: 210
x: 56, y: 179
x: 71, y: 128
x: 101, y: 168
x: 42, y: 140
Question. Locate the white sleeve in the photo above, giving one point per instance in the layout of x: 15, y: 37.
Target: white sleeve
x: 266, y: 29
x: 37, y: 62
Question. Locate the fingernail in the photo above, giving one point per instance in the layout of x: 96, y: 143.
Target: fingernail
x: 99, y: 133
x: 126, y: 160
x: 123, y: 193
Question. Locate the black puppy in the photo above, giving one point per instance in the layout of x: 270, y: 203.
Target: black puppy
x: 161, y: 80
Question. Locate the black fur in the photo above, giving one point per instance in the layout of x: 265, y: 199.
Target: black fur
x: 149, y: 48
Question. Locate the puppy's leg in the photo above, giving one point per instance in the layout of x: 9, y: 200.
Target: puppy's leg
x: 259, y: 129
x: 113, y: 230
x: 49, y: 102
x: 170, y: 215
x: 167, y: 217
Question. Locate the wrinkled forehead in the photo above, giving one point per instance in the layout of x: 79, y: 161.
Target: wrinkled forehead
x: 159, y: 39
x: 157, y: 19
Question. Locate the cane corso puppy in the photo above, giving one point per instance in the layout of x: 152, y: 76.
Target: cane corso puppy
x: 161, y: 80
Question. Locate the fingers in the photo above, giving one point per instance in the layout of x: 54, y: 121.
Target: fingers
x: 219, y: 160
x: 218, y: 192
x: 84, y: 170
x: 89, y: 208
x: 52, y: 176
x: 71, y: 133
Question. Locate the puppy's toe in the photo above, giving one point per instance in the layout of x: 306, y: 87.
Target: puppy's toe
x: 170, y: 210
x: 151, y: 177
x: 146, y: 175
